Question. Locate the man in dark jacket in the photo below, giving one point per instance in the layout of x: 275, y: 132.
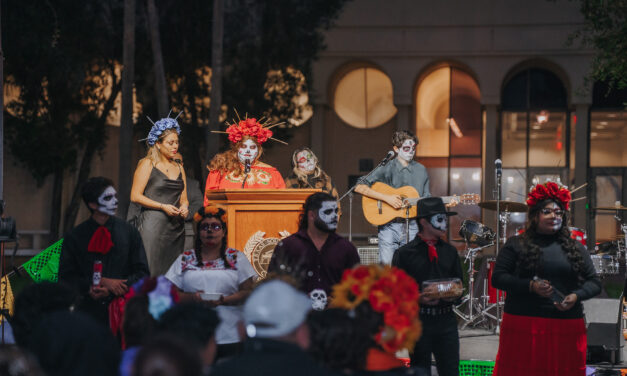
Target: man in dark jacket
x: 428, y: 257
x: 102, y: 238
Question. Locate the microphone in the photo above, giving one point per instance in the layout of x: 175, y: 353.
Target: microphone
x: 499, y: 167
x: 388, y: 157
x: 247, y: 166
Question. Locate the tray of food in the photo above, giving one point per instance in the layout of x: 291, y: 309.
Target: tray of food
x: 442, y: 288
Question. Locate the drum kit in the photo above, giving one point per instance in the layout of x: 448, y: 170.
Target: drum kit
x: 608, y: 256
x: 483, y: 310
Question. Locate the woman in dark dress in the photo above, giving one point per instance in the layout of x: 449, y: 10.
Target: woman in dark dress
x: 546, y: 275
x: 159, y: 187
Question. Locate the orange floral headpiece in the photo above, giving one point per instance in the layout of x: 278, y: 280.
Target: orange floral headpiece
x: 250, y: 127
x: 389, y: 291
x: 212, y: 210
x: 549, y: 190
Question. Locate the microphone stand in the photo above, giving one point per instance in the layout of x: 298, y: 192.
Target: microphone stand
x: 246, y: 172
x: 498, y: 173
x: 350, y: 195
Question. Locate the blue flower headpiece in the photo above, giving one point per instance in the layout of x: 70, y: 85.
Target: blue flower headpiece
x: 160, y: 126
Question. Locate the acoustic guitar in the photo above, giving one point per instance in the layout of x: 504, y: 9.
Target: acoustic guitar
x: 379, y: 212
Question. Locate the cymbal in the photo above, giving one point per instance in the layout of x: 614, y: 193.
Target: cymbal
x: 510, y: 206
x: 610, y: 208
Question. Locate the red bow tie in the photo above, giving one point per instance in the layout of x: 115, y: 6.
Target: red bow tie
x: 433, y: 254
x: 100, y: 241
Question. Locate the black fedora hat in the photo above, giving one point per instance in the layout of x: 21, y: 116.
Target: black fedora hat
x: 430, y: 206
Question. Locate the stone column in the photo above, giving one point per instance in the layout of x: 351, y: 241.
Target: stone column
x: 580, y: 218
x: 490, y: 137
x: 403, y: 118
x: 317, y: 131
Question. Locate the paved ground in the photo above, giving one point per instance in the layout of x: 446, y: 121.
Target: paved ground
x: 482, y: 344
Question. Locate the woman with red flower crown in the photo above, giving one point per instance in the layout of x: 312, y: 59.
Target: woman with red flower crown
x: 546, y: 275
x: 240, y: 166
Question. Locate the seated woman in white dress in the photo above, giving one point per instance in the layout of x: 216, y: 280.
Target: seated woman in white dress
x: 213, y: 271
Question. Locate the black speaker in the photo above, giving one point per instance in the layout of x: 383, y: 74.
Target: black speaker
x: 603, y: 326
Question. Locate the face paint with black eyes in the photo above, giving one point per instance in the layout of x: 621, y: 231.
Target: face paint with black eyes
x: 439, y: 221
x: 108, y: 201
x: 327, y: 216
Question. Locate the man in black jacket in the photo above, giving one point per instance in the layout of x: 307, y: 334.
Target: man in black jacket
x: 428, y: 257
x: 105, y: 238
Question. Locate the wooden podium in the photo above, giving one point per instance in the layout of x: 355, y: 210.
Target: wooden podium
x: 259, y: 218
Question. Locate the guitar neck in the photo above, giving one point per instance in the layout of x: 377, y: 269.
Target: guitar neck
x: 445, y: 199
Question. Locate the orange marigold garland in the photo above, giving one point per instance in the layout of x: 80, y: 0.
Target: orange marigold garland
x: 389, y: 291
x: 210, y: 209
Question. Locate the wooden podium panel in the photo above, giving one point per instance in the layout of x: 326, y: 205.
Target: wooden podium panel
x: 268, y: 210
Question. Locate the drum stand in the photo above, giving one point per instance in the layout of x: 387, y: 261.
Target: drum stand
x: 476, y: 313
x: 503, y: 219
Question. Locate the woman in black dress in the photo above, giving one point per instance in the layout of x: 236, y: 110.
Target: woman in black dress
x: 159, y: 187
x: 546, y: 275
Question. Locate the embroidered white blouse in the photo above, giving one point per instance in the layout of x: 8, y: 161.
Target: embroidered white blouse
x: 213, y: 277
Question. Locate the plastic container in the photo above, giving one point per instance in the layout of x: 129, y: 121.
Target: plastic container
x: 443, y: 288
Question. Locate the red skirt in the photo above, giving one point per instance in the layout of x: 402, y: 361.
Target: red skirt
x: 541, y: 347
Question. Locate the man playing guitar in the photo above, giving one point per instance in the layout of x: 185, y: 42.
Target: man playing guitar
x: 401, y: 171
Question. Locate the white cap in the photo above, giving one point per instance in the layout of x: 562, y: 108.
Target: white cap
x: 275, y: 309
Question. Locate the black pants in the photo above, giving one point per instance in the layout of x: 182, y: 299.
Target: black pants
x: 440, y: 338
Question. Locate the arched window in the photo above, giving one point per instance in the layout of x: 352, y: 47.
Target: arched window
x: 363, y: 98
x: 608, y: 159
x: 535, y: 125
x: 449, y: 130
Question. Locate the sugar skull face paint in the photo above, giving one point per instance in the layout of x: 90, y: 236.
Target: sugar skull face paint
x: 439, y: 221
x: 248, y: 151
x: 108, y: 201
x: 305, y: 161
x: 407, y: 151
x: 550, y: 218
x: 327, y: 216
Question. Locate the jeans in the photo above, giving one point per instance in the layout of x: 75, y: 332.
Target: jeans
x: 392, y: 236
x: 440, y: 337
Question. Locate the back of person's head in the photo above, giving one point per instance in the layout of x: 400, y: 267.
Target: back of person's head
x: 93, y: 188
x: 275, y: 310
x: 339, y: 340
x: 137, y: 324
x: 15, y: 361
x: 72, y: 343
x: 167, y: 355
x: 313, y: 203
x: 34, y: 302
x: 195, y: 323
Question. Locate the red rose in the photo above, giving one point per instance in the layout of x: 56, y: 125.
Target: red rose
x: 360, y: 273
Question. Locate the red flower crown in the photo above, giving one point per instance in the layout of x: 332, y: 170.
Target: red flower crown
x: 248, y: 127
x: 389, y: 291
x: 548, y: 190
x: 259, y: 129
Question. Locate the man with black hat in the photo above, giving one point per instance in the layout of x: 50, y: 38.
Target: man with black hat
x: 426, y: 258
